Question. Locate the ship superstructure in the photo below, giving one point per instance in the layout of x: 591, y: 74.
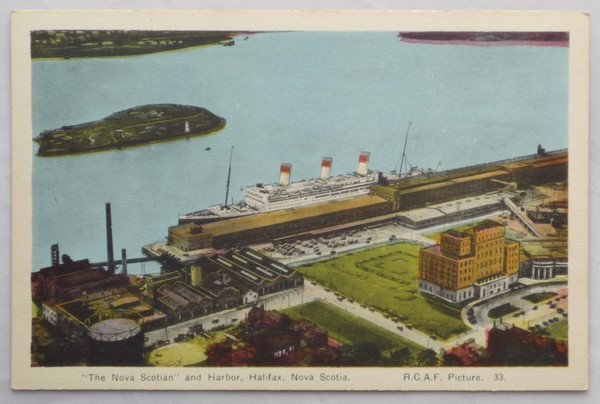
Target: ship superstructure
x: 261, y: 198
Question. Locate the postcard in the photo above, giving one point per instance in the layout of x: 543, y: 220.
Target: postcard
x: 300, y: 200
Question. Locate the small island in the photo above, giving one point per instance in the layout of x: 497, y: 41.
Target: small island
x: 132, y: 127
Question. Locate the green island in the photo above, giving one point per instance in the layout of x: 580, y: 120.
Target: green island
x: 67, y: 44
x: 132, y: 127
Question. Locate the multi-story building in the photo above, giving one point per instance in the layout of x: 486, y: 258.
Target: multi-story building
x: 472, y: 264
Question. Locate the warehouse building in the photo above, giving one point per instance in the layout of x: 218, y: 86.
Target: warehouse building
x: 267, y: 226
x: 471, y: 181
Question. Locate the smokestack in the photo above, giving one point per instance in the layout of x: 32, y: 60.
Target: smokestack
x: 55, y: 254
x: 124, y: 261
x: 284, y: 174
x: 326, y: 167
x: 363, y: 162
x: 109, y: 241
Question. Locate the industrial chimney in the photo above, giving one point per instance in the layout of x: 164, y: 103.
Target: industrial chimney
x: 124, y: 261
x: 55, y: 254
x: 109, y: 241
x: 363, y: 162
x: 284, y: 174
x: 326, y: 168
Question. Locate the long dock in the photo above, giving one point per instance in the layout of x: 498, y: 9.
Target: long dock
x: 129, y: 261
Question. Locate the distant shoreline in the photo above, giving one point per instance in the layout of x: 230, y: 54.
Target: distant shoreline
x: 65, y: 45
x: 555, y: 39
x: 487, y: 43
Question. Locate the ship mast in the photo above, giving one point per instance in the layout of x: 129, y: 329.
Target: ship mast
x: 228, y: 177
x: 404, y: 150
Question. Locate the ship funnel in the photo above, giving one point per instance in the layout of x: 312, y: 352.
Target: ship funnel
x: 363, y: 162
x: 326, y: 168
x: 284, y: 174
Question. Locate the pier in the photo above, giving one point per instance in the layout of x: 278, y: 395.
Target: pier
x: 129, y: 261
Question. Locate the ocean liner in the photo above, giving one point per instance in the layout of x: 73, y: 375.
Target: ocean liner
x: 262, y: 198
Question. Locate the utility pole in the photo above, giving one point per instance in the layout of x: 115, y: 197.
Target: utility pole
x: 404, y: 150
x: 228, y: 177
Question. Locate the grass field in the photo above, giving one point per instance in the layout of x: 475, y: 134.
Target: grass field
x: 351, y: 329
x: 560, y: 330
x: 386, y: 279
x: 539, y: 297
x: 181, y: 354
x: 189, y: 353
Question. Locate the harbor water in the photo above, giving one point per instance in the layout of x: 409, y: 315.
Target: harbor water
x: 287, y: 97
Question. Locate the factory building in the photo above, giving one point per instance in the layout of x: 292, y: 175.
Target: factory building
x: 219, y: 282
x: 72, y: 280
x: 267, y: 226
x: 469, y: 265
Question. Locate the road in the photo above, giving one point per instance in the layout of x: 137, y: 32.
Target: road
x: 312, y: 292
x: 275, y: 301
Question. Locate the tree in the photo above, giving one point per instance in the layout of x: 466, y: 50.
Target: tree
x: 427, y: 357
x: 401, y: 357
x: 363, y: 354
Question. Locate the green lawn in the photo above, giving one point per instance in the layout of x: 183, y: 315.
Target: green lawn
x: 560, y: 330
x: 350, y: 329
x: 180, y: 354
x: 386, y: 279
x: 502, y: 310
x: 539, y: 297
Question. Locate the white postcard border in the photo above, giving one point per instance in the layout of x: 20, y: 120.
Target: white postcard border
x: 573, y: 377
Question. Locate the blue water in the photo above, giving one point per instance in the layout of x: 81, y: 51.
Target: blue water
x: 287, y: 97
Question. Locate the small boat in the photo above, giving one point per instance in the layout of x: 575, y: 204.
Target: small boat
x: 207, y: 149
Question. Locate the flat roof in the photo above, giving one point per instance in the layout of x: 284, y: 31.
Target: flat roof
x: 283, y: 216
x: 555, y: 249
x: 457, y: 180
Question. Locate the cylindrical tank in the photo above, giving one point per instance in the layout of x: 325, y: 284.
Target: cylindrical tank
x: 326, y: 168
x: 115, y: 338
x: 363, y: 163
x: 284, y: 174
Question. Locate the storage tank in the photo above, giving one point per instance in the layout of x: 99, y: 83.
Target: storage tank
x: 115, y: 338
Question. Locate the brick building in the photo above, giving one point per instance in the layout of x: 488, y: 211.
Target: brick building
x: 469, y: 265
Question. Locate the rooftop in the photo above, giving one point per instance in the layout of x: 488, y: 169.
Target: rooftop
x: 278, y: 217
